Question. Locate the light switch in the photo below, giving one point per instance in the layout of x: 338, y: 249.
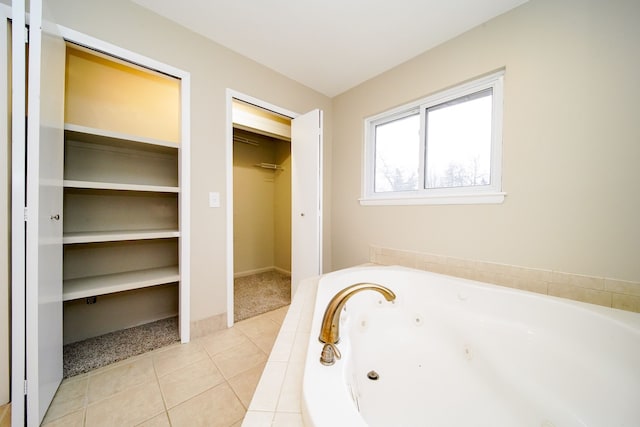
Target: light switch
x: 214, y: 199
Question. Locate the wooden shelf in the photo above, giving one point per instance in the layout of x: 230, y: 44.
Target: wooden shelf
x: 118, y: 282
x: 101, y: 136
x: 117, y: 236
x: 117, y: 186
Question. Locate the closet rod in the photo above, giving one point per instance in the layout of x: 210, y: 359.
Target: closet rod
x: 245, y: 141
x: 269, y: 166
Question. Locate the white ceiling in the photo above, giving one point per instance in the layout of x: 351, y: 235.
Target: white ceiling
x: 330, y: 45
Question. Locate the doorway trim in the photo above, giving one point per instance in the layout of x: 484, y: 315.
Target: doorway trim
x: 230, y: 96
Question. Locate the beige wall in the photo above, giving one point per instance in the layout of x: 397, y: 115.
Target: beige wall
x: 261, y: 206
x: 213, y: 69
x: 571, y: 145
x: 104, y: 93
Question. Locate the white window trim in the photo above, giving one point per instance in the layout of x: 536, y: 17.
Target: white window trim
x: 487, y: 194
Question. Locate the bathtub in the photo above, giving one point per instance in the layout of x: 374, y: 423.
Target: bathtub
x: 454, y: 352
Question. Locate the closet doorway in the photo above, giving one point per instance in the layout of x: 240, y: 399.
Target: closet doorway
x: 261, y: 210
x: 296, y: 172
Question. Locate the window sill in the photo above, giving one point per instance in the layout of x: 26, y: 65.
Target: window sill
x: 449, y: 199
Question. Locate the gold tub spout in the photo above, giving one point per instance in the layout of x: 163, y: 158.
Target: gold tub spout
x: 330, y: 329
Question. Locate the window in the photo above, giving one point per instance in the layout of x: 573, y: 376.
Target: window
x: 443, y: 149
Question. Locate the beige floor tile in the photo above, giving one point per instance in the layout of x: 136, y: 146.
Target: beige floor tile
x: 216, y: 407
x: 74, y: 419
x: 130, y: 407
x: 278, y: 315
x: 5, y: 415
x: 161, y: 420
x: 239, y: 359
x: 223, y: 340
x: 244, y: 384
x: 118, y: 364
x: 70, y: 397
x: 257, y: 326
x: 189, y: 378
x: 178, y: 357
x: 265, y: 340
x: 189, y: 381
x: 109, y: 382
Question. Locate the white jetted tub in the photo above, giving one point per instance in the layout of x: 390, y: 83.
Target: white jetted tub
x: 454, y: 352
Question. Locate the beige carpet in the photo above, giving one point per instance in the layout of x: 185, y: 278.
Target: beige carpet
x: 259, y: 293
x: 93, y: 353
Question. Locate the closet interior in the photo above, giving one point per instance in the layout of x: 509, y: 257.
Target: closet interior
x: 261, y: 210
x: 121, y: 225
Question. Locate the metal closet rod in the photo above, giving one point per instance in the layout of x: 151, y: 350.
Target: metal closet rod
x: 269, y: 166
x: 245, y: 141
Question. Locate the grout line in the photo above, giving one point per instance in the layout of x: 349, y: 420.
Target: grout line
x: 85, y: 402
x: 164, y: 401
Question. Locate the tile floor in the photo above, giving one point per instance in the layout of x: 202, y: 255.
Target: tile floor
x: 207, y: 382
x: 5, y: 415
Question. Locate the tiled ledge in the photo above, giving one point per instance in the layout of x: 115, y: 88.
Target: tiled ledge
x: 276, y: 401
x: 603, y: 291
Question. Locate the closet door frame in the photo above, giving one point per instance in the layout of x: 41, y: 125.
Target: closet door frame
x: 5, y: 206
x: 184, y: 157
x: 230, y: 96
x: 17, y: 13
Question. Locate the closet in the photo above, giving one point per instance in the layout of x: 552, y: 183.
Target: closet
x: 121, y: 189
x: 101, y: 218
x: 261, y: 210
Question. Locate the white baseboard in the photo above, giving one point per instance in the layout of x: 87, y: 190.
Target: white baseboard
x: 282, y: 271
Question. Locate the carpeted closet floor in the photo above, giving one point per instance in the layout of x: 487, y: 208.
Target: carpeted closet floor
x: 260, y: 293
x: 93, y: 353
x: 253, y: 295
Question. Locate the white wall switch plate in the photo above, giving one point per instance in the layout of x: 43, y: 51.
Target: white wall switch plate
x: 214, y: 199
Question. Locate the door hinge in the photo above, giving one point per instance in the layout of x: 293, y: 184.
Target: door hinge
x: 25, y: 387
x: 26, y: 35
x: 26, y: 214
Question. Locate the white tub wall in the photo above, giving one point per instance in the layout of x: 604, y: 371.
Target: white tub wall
x: 570, y: 149
x: 607, y: 292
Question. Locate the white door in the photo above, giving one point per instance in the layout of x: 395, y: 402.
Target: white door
x: 306, y: 197
x: 44, y: 213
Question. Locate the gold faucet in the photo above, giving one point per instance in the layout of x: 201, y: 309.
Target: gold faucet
x: 330, y: 329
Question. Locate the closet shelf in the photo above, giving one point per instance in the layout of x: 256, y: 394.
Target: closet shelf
x: 118, y: 282
x: 106, y: 137
x: 118, y: 186
x: 117, y: 236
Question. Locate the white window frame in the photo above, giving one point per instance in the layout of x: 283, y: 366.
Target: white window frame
x: 484, y: 194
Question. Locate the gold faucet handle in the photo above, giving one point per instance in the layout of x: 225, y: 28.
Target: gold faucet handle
x: 329, y: 354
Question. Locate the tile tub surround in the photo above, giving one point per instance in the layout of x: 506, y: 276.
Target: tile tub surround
x: 602, y: 291
x: 277, y: 399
